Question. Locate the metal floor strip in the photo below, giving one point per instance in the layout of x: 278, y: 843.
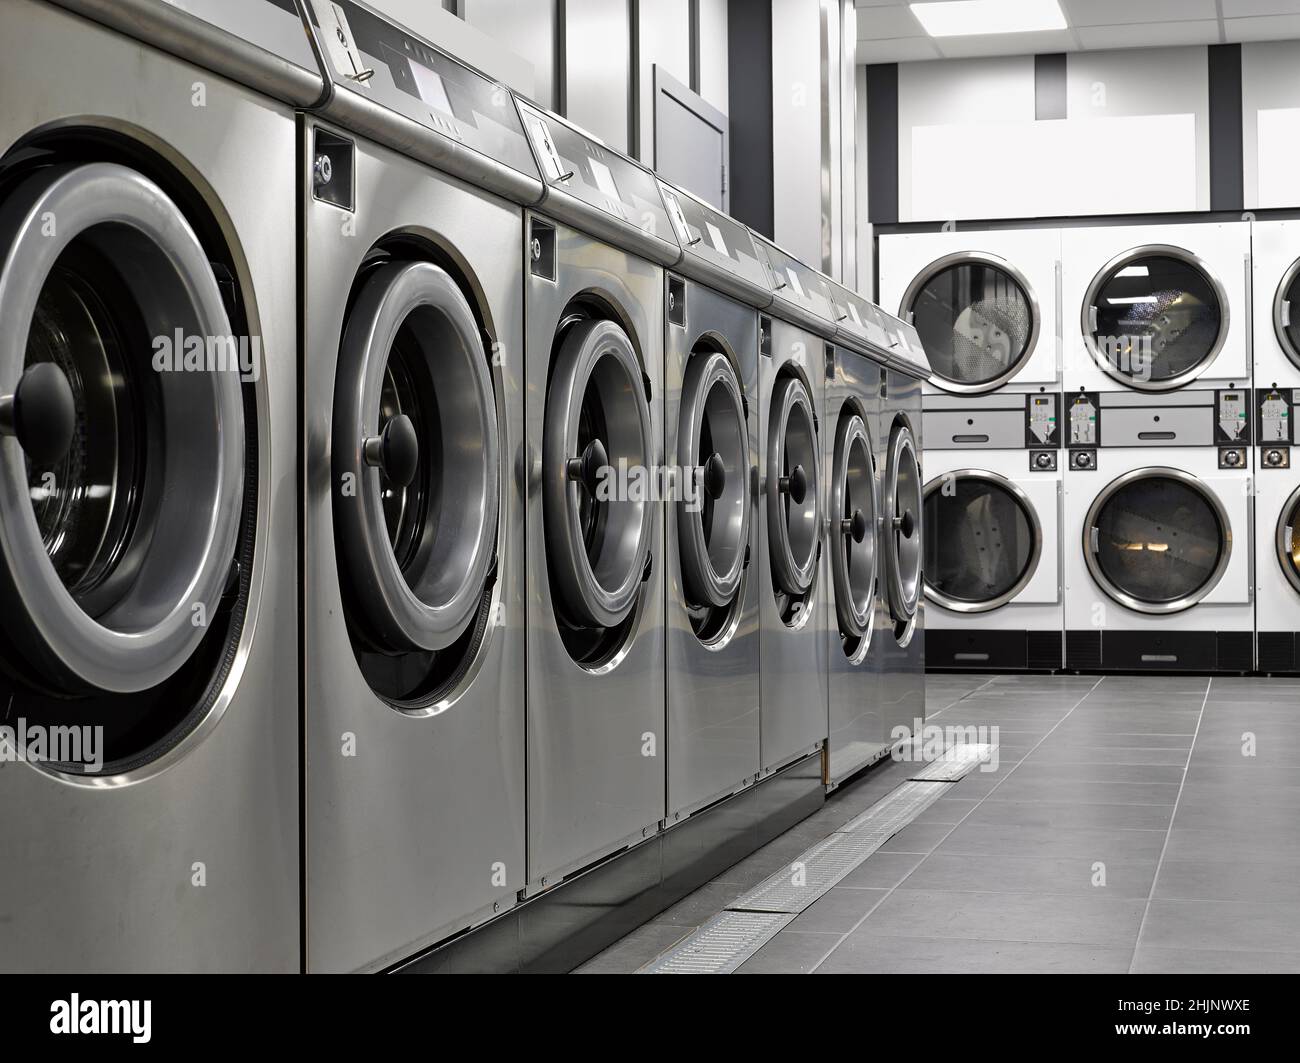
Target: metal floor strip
x: 734, y: 935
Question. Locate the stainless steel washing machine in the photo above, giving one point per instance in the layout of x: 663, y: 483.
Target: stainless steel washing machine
x: 413, y: 607
x: 147, y: 518
x: 711, y: 429
x: 594, y: 343
x: 792, y: 566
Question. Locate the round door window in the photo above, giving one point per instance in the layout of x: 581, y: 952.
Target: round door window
x: 853, y: 509
x: 793, y: 485
x: 903, y: 500
x: 978, y: 320
x: 1288, y: 539
x: 1155, y: 317
x: 991, y: 540
x: 1286, y: 312
x: 1157, y: 540
x: 713, y: 511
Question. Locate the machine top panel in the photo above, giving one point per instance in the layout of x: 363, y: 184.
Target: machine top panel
x: 716, y: 243
x: 861, y: 323
x: 259, y: 43
x: 467, y: 123
x: 904, y: 345
x: 595, y: 187
x: 800, y: 290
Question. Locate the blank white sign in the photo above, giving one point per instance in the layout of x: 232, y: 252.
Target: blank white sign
x: 1278, y: 156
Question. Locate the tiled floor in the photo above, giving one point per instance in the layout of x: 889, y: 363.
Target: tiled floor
x: 1132, y: 824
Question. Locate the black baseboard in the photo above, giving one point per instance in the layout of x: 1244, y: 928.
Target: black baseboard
x: 1279, y: 652
x: 970, y: 650
x: 561, y: 929
x: 1159, y: 651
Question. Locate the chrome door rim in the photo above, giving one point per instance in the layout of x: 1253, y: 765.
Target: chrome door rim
x: 960, y: 258
x: 1285, y: 536
x: 430, y: 607
x: 855, y: 586
x: 904, y: 592
x: 791, y: 403
x: 1154, y: 251
x: 1035, y: 526
x: 154, y: 626
x: 1154, y: 472
x: 711, y: 389
x: 597, y: 353
x: 1281, y: 308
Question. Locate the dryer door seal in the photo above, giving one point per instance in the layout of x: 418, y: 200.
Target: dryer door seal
x: 793, y: 488
x: 854, y: 520
x: 903, y: 516
x: 1288, y: 539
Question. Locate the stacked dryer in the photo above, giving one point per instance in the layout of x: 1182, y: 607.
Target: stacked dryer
x: 1158, y: 422
x: 985, y: 305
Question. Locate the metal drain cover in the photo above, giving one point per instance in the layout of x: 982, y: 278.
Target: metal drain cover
x: 720, y: 945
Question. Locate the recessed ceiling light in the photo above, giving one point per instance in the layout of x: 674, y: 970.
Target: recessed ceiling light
x: 965, y: 18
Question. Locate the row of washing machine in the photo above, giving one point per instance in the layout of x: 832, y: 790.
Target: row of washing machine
x: 406, y: 501
x: 1110, y: 428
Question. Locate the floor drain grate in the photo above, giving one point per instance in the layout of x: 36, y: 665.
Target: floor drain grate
x: 720, y: 945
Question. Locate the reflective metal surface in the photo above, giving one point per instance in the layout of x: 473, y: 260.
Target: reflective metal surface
x: 1287, y: 539
x: 903, y: 513
x: 854, y: 520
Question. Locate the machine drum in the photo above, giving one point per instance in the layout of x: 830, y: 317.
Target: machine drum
x: 598, y: 460
x: 793, y: 488
x: 1157, y: 540
x: 903, y: 524
x: 1288, y: 539
x: 416, y: 460
x: 853, y: 527
x: 713, y: 509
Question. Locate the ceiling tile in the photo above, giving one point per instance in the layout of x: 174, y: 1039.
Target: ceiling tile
x: 1113, y: 12
x: 882, y: 23
x: 1264, y: 28
x: 1149, y: 34
x: 900, y: 50
x: 1008, y: 44
x: 1247, y: 8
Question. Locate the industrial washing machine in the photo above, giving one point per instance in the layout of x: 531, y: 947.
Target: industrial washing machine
x: 1275, y: 257
x: 413, y: 442
x: 147, y: 519
x: 984, y: 304
x: 993, y: 574
x: 1157, y: 531
x: 1277, y: 532
x: 713, y: 297
x: 594, y: 359
x: 792, y: 565
x: 1155, y: 307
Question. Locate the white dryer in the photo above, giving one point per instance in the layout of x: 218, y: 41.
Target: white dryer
x: 1158, y: 532
x: 1275, y: 255
x: 1277, y: 533
x: 993, y: 558
x: 983, y: 303
x: 1155, y: 307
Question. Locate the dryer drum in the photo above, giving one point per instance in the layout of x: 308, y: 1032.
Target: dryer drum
x: 1288, y: 539
x: 991, y: 543
x: 713, y: 515
x: 415, y: 458
x: 117, y: 537
x: 1157, y: 540
x: 854, y: 517
x: 597, y: 435
x: 903, y: 510
x: 1155, y: 317
x: 1286, y: 312
x: 793, y: 488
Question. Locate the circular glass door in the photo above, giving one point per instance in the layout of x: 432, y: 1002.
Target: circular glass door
x: 903, y: 506
x: 1157, y: 540
x: 991, y: 543
x: 122, y: 458
x: 853, y: 528
x: 1155, y: 317
x: 1288, y: 539
x: 598, y: 447
x: 713, y: 457
x: 416, y: 460
x: 793, y: 485
x: 978, y: 319
x: 1286, y: 312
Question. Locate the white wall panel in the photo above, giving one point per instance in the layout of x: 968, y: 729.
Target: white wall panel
x: 1270, y: 87
x: 525, y: 27
x: 665, y: 40
x: 713, y: 53
x: 597, y: 55
x: 796, y: 128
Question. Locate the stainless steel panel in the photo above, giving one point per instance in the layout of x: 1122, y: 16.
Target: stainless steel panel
x: 103, y: 878
x: 793, y: 665
x: 595, y: 736
x: 713, y: 689
x: 421, y: 832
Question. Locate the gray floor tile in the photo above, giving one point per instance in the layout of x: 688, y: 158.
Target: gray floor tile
x: 1217, y: 880
x: 1106, y: 739
x: 702, y: 905
x: 1010, y: 840
x: 636, y: 950
x: 1206, y: 961
x: 918, y: 838
x: 1233, y: 846
x: 1249, y: 812
x: 1070, y: 753
x: 950, y: 810
x: 1072, y: 817
x: 882, y: 870
x: 867, y: 952
x: 1104, y: 772
x: 1021, y: 787
x: 1224, y: 925
x: 790, y: 952
x: 1128, y: 878
x: 838, y: 910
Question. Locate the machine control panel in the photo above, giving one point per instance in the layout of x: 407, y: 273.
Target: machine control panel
x: 1273, y: 415
x: 1185, y: 418
x: 1083, y: 460
x: 1233, y: 457
x: 1233, y: 408
x: 387, y: 64
x: 1084, y: 430
x: 1042, y: 426
x: 1042, y: 461
x: 1275, y: 457
x: 709, y: 235
x: 795, y: 284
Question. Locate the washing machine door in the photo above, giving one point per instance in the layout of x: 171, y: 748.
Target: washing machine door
x: 854, y: 521
x: 903, y: 510
x: 416, y: 459
x: 978, y: 319
x: 991, y: 543
x: 793, y: 479
x: 713, y: 464
x: 1286, y: 312
x: 1288, y: 539
x: 1155, y: 317
x: 1157, y: 540
x: 121, y: 432
x: 598, y: 453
